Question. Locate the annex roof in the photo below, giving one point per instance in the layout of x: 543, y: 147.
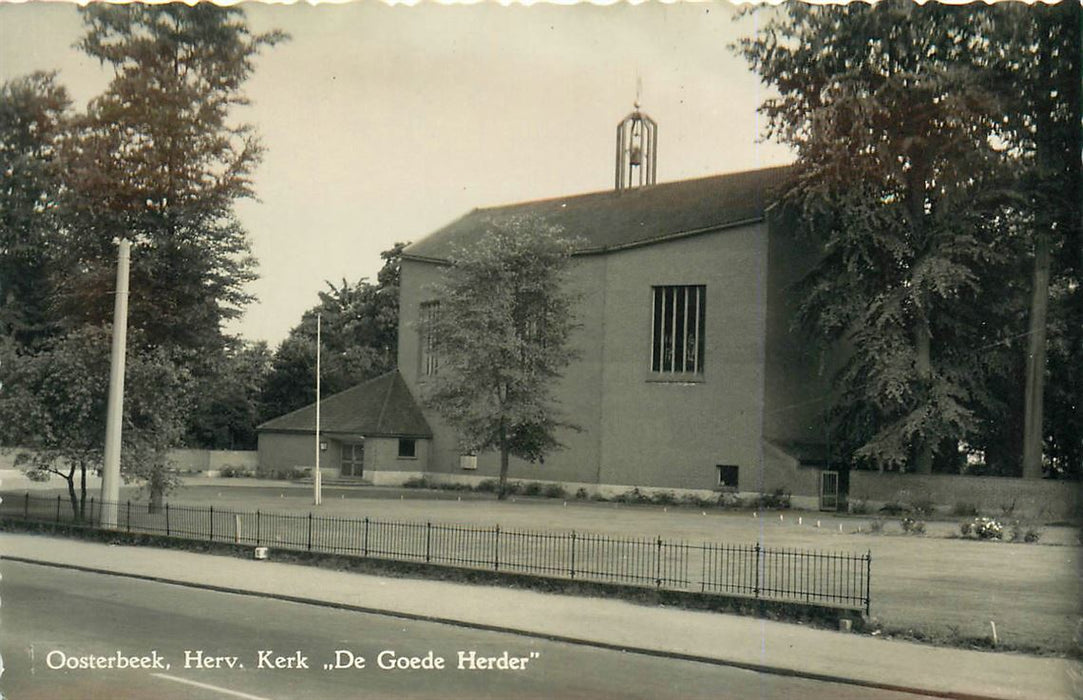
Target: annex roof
x: 379, y: 407
x: 613, y: 220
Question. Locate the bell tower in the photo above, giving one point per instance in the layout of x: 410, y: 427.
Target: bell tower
x: 637, y: 150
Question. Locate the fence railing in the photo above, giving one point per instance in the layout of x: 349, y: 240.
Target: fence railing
x: 837, y: 579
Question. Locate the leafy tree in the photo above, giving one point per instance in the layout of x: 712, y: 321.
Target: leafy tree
x: 157, y: 159
x: 359, y: 335
x: 226, y: 402
x: 902, y: 182
x: 502, y: 335
x: 53, y: 404
x: 33, y: 122
x: 158, y: 397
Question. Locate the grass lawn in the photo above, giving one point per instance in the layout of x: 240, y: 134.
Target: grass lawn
x: 937, y: 586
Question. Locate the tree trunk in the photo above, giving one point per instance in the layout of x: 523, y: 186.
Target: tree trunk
x: 70, y: 478
x: 922, y: 446
x: 82, y: 491
x: 157, y: 497
x: 502, y: 490
x: 1035, y: 387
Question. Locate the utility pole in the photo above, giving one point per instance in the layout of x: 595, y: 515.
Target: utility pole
x: 317, y: 482
x: 115, y: 407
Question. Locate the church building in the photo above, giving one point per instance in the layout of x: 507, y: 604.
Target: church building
x: 688, y: 374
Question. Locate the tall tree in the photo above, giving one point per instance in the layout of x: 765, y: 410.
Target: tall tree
x: 502, y: 335
x: 938, y: 157
x: 157, y: 159
x: 899, y: 182
x: 33, y: 122
x: 359, y: 329
x: 226, y: 398
x: 1037, y: 58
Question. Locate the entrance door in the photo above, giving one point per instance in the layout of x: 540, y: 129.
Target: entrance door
x: 829, y: 490
x: 353, y: 459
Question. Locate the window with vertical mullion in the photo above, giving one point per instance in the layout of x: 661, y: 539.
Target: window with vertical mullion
x: 678, y: 317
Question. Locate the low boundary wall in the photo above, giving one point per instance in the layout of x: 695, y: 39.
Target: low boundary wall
x: 1043, y: 499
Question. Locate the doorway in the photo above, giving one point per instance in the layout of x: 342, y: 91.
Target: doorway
x: 829, y: 490
x: 353, y: 459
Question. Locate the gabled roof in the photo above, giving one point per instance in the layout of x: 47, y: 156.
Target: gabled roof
x: 612, y: 220
x: 380, y: 407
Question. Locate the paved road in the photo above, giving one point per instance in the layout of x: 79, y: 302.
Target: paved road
x: 52, y: 617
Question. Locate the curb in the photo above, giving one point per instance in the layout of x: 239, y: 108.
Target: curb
x: 644, y: 651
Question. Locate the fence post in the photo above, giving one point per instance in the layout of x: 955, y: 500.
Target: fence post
x: 257, y: 528
x: 26, y: 506
x: 868, y: 582
x: 58, y: 509
x: 428, y: 542
x: 756, y: 589
x: 129, y: 517
x: 310, y: 531
x: 211, y: 536
x: 167, y: 520
x: 496, y: 549
x: 365, y: 539
x: 92, y: 520
x: 572, y: 570
x: 658, y: 565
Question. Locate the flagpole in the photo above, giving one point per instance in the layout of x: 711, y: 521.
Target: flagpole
x: 317, y: 483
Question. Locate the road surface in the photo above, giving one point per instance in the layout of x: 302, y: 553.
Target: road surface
x: 184, y: 643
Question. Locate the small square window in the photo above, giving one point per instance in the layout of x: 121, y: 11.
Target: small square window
x: 407, y: 447
x: 727, y: 476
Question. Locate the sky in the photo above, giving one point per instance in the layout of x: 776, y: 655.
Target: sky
x: 383, y: 123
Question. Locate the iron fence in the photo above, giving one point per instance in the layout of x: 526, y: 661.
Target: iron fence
x: 839, y: 579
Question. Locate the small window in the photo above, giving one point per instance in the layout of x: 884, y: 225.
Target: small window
x: 677, y: 338
x: 427, y: 317
x: 407, y: 447
x: 727, y: 476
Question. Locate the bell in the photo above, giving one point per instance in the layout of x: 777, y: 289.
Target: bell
x: 636, y: 156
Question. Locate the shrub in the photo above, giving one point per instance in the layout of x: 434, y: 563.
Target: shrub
x: 913, y: 527
x: 860, y: 507
x: 895, y: 508
x: 965, y: 528
x: 779, y: 499
x: 729, y: 500
x: 416, y: 482
x: 876, y: 526
x: 1025, y: 533
x: 924, y: 507
x: 532, y: 489
x: 962, y: 508
x: 663, y: 498
x: 555, y: 491
x: 987, y: 529
x: 633, y: 496
x: 581, y: 493
x: 487, y: 486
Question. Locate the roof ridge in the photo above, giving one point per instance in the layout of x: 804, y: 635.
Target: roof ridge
x: 621, y: 193
x: 324, y: 399
x: 386, y: 401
